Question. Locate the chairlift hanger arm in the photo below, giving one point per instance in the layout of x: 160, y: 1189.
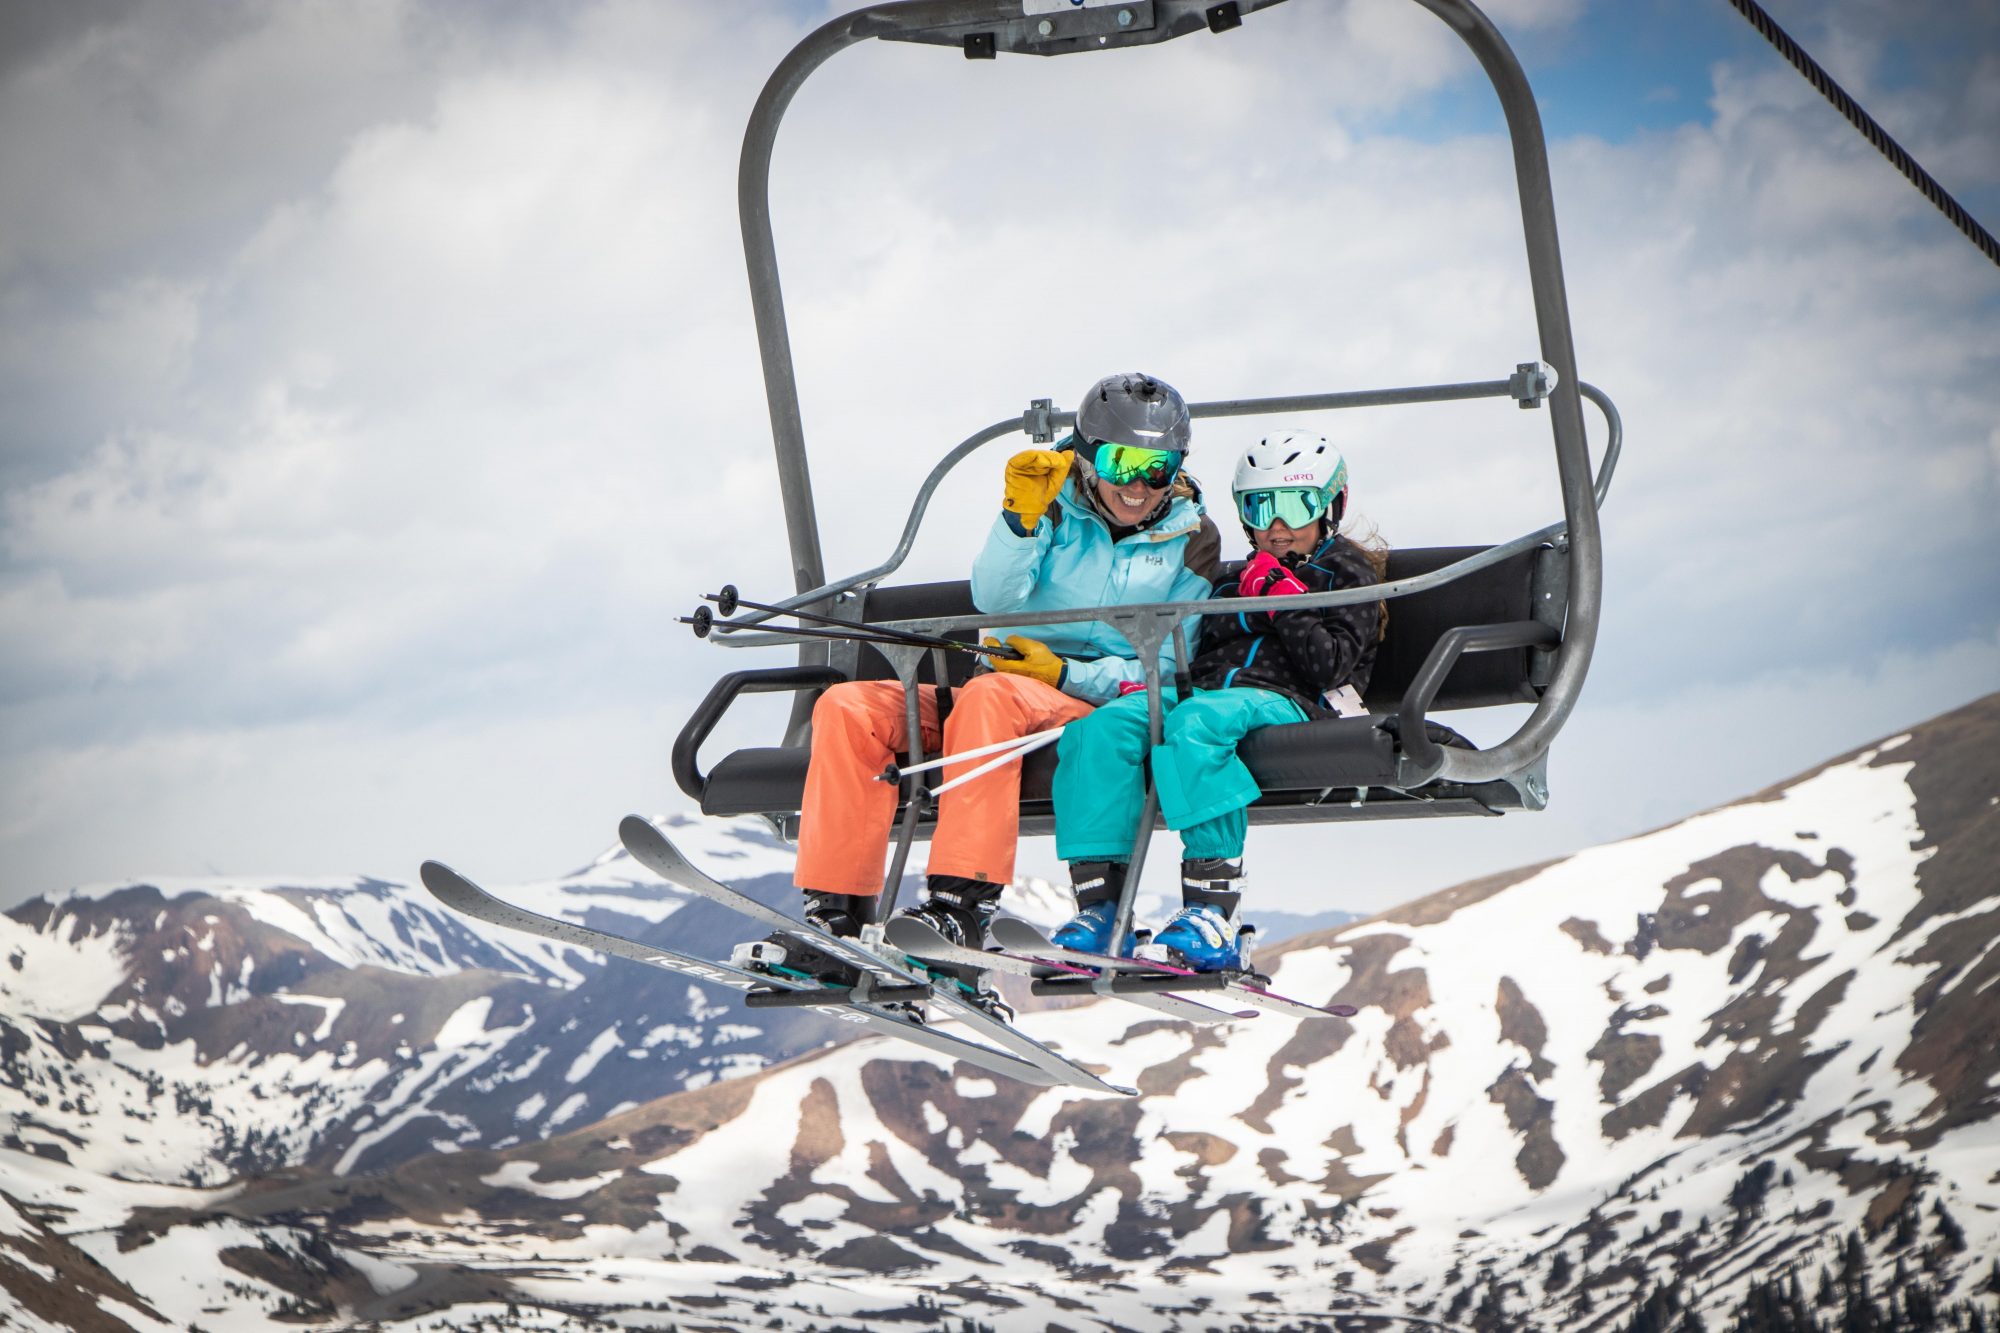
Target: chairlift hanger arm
x: 910, y: 17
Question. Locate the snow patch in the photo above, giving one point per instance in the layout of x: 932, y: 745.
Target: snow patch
x: 61, y: 976
x: 600, y: 1046
x: 329, y: 1008
x: 521, y: 1176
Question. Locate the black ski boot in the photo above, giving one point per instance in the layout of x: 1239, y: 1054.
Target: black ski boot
x: 839, y: 914
x: 959, y: 909
x: 1207, y: 934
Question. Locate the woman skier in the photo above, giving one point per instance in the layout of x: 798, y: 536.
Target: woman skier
x: 1253, y: 669
x: 1106, y: 518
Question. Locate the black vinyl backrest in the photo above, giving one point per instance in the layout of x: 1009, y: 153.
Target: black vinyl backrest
x: 1496, y: 594
x: 917, y: 601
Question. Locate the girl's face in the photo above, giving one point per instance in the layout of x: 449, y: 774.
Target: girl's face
x: 1281, y: 541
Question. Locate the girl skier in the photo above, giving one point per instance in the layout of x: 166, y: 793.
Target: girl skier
x: 1106, y: 518
x: 1253, y: 669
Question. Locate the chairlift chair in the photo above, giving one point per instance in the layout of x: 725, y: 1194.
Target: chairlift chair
x: 1469, y: 627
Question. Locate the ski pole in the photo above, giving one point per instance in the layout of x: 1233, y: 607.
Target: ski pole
x: 1034, y: 738
x: 728, y: 600
x: 703, y: 622
x: 1020, y: 751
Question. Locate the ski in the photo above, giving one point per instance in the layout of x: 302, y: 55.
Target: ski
x: 652, y: 849
x: 921, y: 940
x: 1127, y: 976
x: 463, y: 896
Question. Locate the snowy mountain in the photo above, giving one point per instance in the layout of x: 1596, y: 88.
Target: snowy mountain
x: 1751, y: 1048
x: 191, y: 1031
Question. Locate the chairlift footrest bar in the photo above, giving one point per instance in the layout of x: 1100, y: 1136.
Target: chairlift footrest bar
x: 803, y: 999
x: 918, y: 939
x: 1130, y: 983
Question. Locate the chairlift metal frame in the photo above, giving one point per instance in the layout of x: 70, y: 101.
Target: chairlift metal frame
x: 985, y: 28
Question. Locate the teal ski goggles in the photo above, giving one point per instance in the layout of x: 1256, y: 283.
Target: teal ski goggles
x: 1123, y: 464
x: 1294, y: 508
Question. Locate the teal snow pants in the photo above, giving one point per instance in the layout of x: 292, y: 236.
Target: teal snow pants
x: 1100, y: 789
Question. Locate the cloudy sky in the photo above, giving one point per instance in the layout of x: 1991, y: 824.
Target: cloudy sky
x: 380, y: 382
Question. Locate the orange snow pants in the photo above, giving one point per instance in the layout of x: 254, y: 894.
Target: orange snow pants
x: 859, y: 726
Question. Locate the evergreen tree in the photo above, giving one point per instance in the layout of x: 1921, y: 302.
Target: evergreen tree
x: 1949, y: 1230
x: 1853, y: 1264
x: 1906, y: 1229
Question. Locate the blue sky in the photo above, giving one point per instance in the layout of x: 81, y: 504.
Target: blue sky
x: 1645, y: 66
x: 381, y: 384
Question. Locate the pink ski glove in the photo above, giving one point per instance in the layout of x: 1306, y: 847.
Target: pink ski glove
x: 1260, y: 567
x: 1266, y: 576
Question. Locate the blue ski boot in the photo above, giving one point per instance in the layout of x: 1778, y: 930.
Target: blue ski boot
x: 1207, y: 934
x: 1097, y: 885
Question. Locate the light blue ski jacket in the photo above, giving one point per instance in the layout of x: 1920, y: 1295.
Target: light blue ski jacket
x: 1070, y: 560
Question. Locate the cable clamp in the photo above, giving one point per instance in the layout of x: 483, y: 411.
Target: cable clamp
x: 1532, y: 382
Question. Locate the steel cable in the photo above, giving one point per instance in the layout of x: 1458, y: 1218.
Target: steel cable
x: 1869, y: 128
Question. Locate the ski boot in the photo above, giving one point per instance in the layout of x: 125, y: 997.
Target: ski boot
x: 959, y: 909
x: 1207, y: 934
x: 1097, y: 885
x: 835, y: 913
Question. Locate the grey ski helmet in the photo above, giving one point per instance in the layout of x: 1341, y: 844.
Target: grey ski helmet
x: 1134, y: 409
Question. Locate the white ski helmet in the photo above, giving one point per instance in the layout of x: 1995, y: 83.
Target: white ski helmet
x: 1293, y: 475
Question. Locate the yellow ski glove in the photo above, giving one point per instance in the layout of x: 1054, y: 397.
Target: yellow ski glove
x: 1034, y: 476
x: 1036, y: 660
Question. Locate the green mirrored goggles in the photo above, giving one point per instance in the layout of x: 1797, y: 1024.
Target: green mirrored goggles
x: 1123, y: 464
x: 1294, y: 508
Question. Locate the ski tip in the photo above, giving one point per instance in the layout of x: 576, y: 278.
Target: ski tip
x: 1342, y: 1010
x: 637, y: 827
x: 436, y: 873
